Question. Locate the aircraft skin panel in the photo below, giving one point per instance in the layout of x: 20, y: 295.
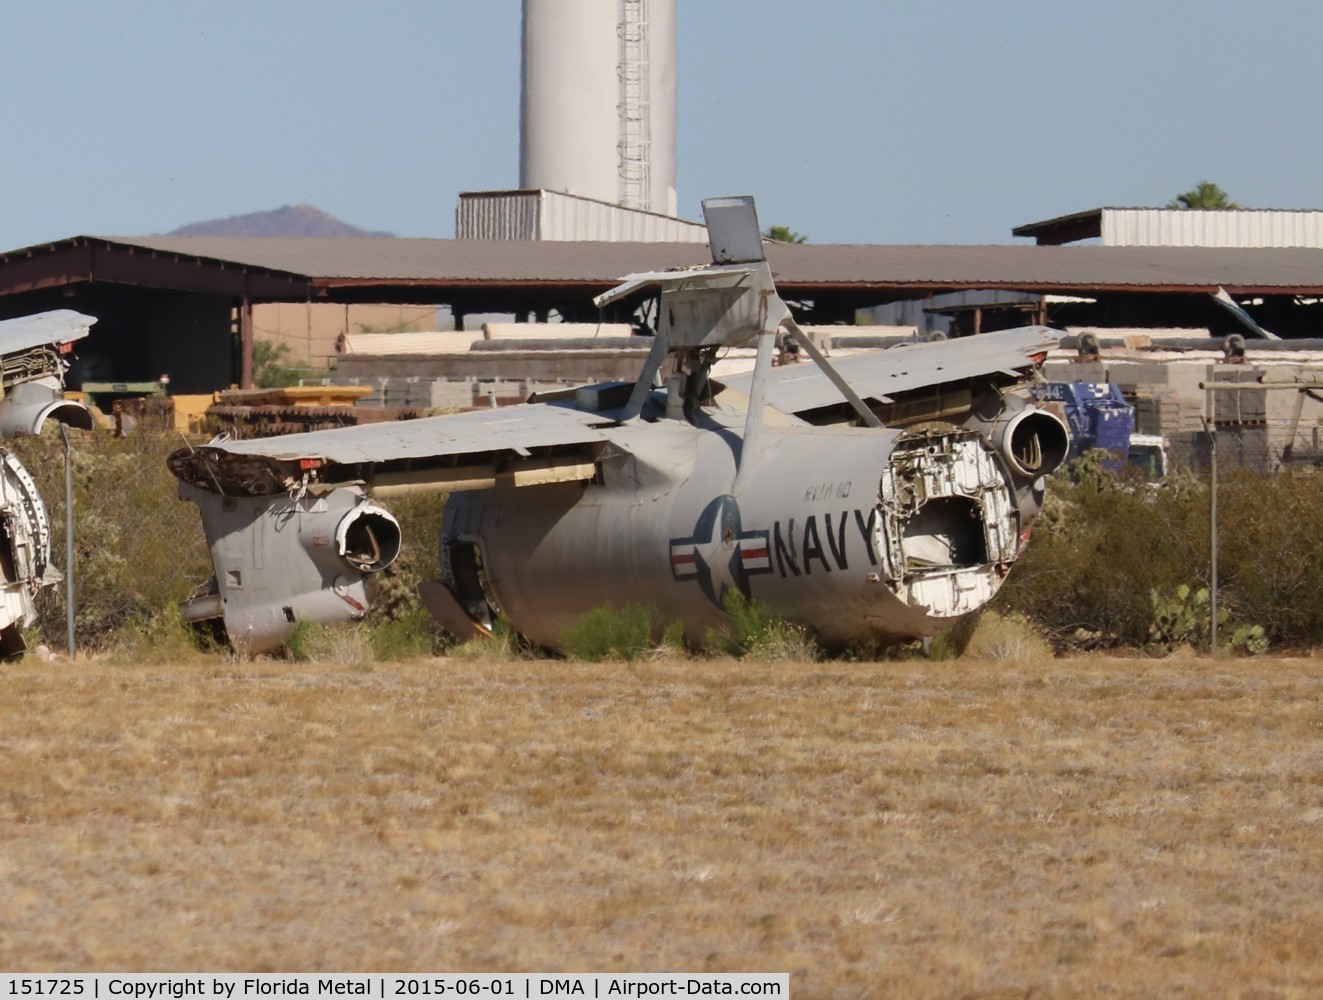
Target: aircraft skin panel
x: 878, y: 375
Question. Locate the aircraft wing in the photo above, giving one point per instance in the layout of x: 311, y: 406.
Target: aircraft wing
x: 59, y: 326
x: 1232, y: 306
x: 520, y: 445
x: 879, y: 375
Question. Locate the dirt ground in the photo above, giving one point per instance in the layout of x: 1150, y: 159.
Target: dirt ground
x: 1064, y: 828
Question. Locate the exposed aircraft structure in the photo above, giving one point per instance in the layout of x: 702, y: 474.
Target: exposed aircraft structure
x: 32, y: 368
x: 881, y: 498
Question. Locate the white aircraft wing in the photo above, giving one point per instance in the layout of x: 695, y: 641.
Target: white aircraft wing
x: 880, y: 375
x: 59, y: 326
x: 526, y: 444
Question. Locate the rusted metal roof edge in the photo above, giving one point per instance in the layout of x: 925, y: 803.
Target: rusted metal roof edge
x: 134, y: 248
x: 889, y: 285
x: 223, y: 263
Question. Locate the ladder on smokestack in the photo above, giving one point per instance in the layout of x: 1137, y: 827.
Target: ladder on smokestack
x: 633, y: 147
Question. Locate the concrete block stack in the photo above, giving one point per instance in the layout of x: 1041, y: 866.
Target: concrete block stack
x: 1256, y: 423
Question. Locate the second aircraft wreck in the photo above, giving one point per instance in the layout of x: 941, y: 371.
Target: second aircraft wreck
x: 32, y: 368
x: 879, y: 498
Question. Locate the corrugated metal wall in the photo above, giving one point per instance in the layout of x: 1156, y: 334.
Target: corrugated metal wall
x: 551, y: 215
x: 508, y: 216
x: 1158, y: 227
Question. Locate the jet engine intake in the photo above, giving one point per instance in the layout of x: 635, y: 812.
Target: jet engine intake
x: 1034, y: 442
x: 365, y: 540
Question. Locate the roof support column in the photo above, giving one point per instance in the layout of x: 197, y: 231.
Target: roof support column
x: 246, y: 343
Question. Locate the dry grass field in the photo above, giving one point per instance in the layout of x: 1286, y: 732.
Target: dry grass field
x: 1069, y: 828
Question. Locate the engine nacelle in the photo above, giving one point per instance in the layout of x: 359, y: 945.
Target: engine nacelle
x: 1034, y: 442
x: 282, y: 560
x: 28, y: 406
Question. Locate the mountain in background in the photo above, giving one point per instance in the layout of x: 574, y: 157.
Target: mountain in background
x: 289, y: 220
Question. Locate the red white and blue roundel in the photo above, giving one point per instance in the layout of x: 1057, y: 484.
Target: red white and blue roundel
x: 719, y: 555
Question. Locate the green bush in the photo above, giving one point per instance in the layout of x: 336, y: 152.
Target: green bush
x: 1100, y: 548
x: 270, y: 366
x: 401, y: 627
x: 1271, y: 554
x: 755, y: 633
x: 608, y: 633
x: 138, y: 551
x: 1108, y: 557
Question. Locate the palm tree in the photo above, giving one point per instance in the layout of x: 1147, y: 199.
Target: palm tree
x: 784, y: 234
x: 1205, y: 194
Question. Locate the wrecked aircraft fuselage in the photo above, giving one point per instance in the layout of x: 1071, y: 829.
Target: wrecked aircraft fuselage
x: 880, y: 498
x: 32, y: 369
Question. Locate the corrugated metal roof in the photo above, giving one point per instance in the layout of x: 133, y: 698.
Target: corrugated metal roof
x: 329, y: 263
x: 1050, y: 267
x: 1246, y: 228
x: 423, y: 260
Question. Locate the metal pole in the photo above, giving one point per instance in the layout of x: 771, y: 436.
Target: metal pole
x: 246, y: 343
x: 1212, y: 636
x: 68, y: 541
x: 1211, y: 430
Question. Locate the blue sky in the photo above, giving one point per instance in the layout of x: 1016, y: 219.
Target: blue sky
x: 853, y: 122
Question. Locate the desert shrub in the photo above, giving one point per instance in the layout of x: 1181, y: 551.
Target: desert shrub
x: 609, y: 633
x: 501, y: 646
x: 1271, y: 554
x: 271, y: 368
x: 138, y: 551
x: 162, y: 638
x: 949, y: 644
x: 672, y: 645
x: 1099, y: 549
x: 345, y: 643
x: 407, y: 636
x: 1104, y: 548
x: 1006, y: 638
x: 401, y: 627
x: 754, y: 632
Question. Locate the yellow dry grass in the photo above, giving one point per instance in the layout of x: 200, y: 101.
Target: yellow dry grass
x: 1069, y: 828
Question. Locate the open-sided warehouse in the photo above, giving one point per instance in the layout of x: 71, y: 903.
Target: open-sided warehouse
x: 182, y: 305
